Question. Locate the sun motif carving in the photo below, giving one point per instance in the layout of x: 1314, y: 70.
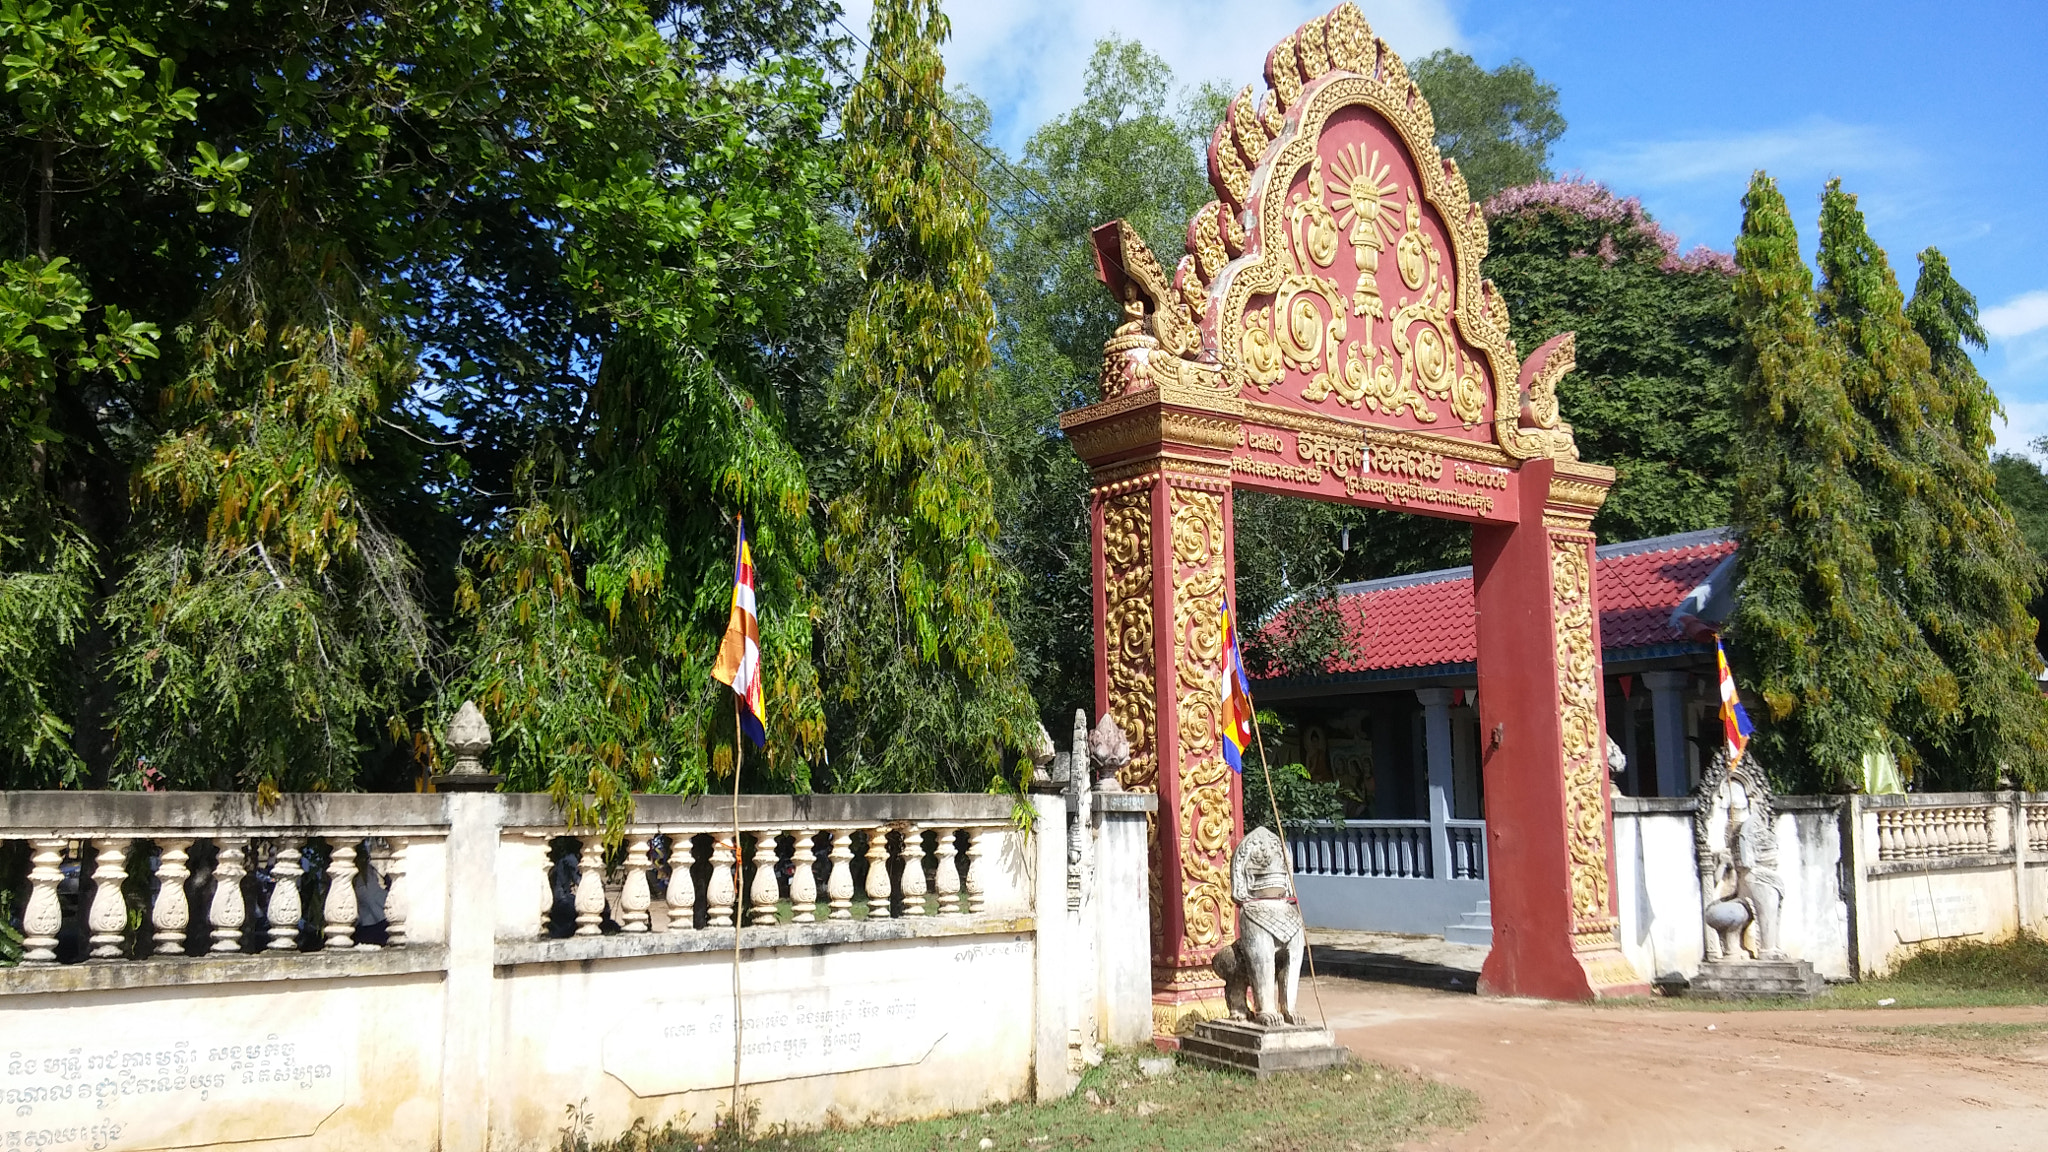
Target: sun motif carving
x: 1364, y: 204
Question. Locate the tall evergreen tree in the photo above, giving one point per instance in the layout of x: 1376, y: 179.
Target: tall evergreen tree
x: 1974, y: 607
x: 1816, y: 634
x: 926, y: 691
x: 1897, y: 445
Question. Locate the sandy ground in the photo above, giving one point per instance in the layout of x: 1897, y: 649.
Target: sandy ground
x: 1579, y: 1078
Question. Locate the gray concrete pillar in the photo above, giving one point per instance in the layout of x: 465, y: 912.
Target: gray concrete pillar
x: 1436, y: 743
x: 1667, y: 714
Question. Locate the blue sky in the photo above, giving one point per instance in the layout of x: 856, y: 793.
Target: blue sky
x: 1934, y: 114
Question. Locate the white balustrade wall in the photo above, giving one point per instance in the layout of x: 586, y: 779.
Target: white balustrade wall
x: 454, y: 971
x: 1868, y: 879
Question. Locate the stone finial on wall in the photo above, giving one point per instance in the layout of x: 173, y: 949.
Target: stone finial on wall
x: 468, y: 738
x: 1109, y: 750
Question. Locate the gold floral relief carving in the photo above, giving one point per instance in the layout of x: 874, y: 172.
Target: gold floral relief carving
x: 1205, y: 243
x: 1578, y: 711
x: 1204, y: 820
x: 1451, y: 347
x: 1127, y: 627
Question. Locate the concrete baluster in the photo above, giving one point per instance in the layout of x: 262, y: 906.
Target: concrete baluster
x: 226, y: 911
x: 284, y: 908
x: 977, y: 890
x: 108, y: 917
x: 340, y: 908
x: 721, y: 892
x: 590, y: 887
x: 171, y: 912
x: 682, y: 882
x: 839, y: 883
x: 913, y: 871
x: 878, y: 874
x: 803, y: 877
x: 387, y: 856
x: 765, y: 893
x: 1909, y: 834
x: 947, y: 876
x: 634, y: 898
x: 43, y: 915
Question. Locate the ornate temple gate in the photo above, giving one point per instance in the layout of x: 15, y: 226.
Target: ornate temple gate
x: 1328, y: 335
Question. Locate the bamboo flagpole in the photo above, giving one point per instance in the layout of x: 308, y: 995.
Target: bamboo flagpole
x: 738, y: 918
x: 739, y: 668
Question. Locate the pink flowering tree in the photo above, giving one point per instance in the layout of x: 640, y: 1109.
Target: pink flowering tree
x: 1656, y: 337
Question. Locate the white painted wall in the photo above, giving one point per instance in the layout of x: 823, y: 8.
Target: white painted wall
x: 481, y: 1035
x: 1657, y: 888
x: 1658, y: 885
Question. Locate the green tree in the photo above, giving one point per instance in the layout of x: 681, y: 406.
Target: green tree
x: 1132, y: 150
x: 1976, y: 572
x: 1652, y: 394
x: 1497, y: 125
x: 2024, y: 489
x: 519, y: 274
x: 1819, y: 640
x: 926, y: 691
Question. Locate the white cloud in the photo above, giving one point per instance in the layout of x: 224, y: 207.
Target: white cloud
x: 1027, y: 59
x: 2019, y: 316
x: 2023, y: 424
x: 1816, y: 145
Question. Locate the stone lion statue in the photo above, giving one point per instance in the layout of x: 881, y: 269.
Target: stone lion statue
x: 1261, y: 971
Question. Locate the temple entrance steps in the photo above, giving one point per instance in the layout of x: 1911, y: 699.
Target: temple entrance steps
x: 1474, y: 927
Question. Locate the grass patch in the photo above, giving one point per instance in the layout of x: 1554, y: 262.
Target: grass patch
x: 2019, y: 964
x: 1362, y: 1108
x: 1957, y: 974
x: 1969, y: 1038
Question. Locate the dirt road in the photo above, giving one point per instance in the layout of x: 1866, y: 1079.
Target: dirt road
x: 1578, y: 1078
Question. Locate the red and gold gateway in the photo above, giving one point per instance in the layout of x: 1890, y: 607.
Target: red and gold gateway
x: 1328, y: 335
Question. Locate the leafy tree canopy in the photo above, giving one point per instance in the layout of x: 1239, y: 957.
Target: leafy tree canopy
x: 430, y: 270
x: 1498, y: 125
x: 1652, y: 395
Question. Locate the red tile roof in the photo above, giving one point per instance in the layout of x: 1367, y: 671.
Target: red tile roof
x: 1428, y: 619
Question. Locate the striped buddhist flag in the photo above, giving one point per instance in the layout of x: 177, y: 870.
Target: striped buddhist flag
x: 739, y: 656
x: 1237, y: 698
x: 1734, y: 721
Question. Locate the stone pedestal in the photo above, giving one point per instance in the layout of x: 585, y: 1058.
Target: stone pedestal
x: 1756, y: 979
x: 1262, y: 1051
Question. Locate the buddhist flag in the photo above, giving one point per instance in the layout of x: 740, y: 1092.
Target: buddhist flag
x: 1237, y: 698
x: 739, y: 657
x: 1734, y: 721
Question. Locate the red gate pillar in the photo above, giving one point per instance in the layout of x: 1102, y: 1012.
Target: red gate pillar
x: 1161, y: 525
x: 1550, y: 858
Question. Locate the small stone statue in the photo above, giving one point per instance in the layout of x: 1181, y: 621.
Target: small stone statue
x: 1738, y: 860
x: 1264, y: 966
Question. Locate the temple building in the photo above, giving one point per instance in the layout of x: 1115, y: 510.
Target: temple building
x: 1395, y: 723
x: 1369, y: 720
